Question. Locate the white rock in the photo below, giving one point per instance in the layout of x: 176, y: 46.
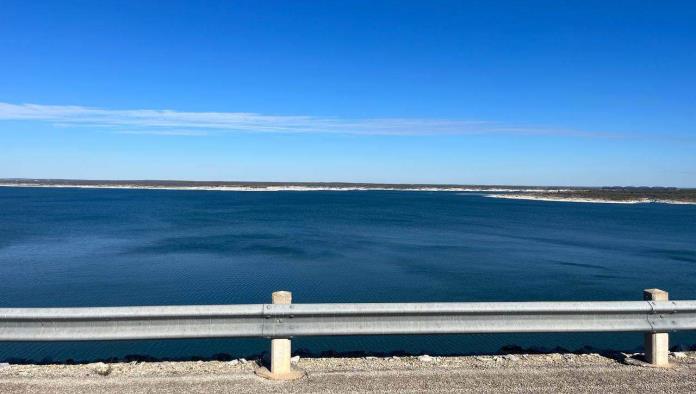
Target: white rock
x: 370, y: 358
x: 4, y: 365
x: 234, y: 362
x: 511, y: 357
x: 101, y: 368
x: 679, y: 355
x: 243, y: 360
x: 425, y: 358
x: 295, y: 359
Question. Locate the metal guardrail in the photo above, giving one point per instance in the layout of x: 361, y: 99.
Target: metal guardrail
x: 293, y: 320
x: 283, y: 320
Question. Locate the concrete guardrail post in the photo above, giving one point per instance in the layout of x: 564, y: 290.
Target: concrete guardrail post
x: 656, y: 343
x: 281, y: 349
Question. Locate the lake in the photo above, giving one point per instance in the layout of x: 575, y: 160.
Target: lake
x: 98, y: 247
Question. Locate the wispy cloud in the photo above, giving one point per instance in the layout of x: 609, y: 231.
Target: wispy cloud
x: 168, y: 122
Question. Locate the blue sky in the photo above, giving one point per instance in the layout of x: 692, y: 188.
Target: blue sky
x: 474, y: 92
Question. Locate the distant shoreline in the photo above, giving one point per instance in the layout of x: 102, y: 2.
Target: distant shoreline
x: 268, y: 188
x: 603, y: 195
x: 530, y: 197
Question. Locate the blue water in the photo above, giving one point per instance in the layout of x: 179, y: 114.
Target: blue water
x: 81, y: 247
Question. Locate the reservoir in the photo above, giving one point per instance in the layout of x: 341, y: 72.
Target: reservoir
x: 118, y: 247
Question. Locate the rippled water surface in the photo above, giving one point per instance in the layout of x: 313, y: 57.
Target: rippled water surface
x: 82, y: 247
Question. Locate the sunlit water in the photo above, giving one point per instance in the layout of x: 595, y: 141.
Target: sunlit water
x: 82, y: 247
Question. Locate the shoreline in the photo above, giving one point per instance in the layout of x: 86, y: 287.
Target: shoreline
x: 548, y: 194
x: 587, y: 200
x: 279, y: 188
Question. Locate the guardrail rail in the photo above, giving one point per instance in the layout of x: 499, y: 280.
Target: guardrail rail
x: 281, y: 320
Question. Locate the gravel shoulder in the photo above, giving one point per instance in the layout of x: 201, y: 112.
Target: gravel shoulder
x: 509, y: 373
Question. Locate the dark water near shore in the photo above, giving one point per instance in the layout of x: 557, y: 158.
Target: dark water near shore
x: 82, y: 247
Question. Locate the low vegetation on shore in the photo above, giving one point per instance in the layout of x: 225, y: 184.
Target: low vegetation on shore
x: 552, y: 193
x: 161, y: 184
x: 613, y: 194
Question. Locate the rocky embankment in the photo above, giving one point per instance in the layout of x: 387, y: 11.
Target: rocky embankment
x: 556, y: 372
